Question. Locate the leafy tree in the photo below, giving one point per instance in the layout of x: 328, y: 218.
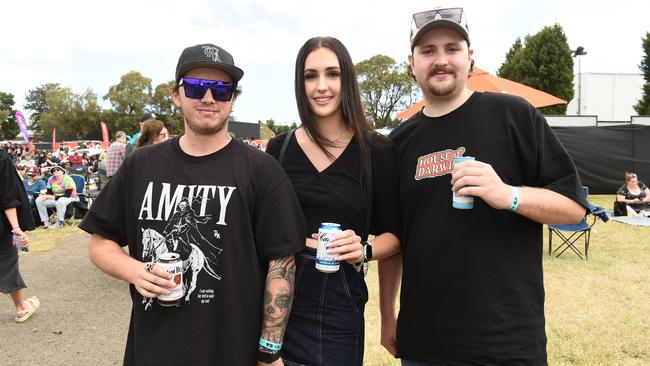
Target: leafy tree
x: 35, y: 102
x: 643, y: 105
x: 74, y: 116
x: 129, y: 99
x: 163, y: 106
x: 545, y: 63
x: 385, y: 87
x: 278, y: 129
x: 510, y: 67
x: 8, y: 126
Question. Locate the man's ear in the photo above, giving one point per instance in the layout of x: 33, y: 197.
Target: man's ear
x: 176, y: 97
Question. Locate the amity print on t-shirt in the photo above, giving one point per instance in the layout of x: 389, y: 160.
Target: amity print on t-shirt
x: 176, y: 221
x: 437, y: 163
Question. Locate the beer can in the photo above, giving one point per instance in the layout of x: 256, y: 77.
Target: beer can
x: 325, y: 262
x: 18, y: 243
x: 462, y: 202
x: 172, y: 263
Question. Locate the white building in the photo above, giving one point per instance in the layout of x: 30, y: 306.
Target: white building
x: 609, y: 96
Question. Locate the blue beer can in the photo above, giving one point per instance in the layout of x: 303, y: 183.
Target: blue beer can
x: 325, y: 262
x: 462, y: 202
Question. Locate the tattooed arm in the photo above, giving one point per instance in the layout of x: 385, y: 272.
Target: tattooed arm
x: 278, y: 296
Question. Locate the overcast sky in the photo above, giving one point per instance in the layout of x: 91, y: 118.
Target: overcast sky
x: 83, y: 45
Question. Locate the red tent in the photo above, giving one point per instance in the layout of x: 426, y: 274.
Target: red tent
x: 482, y: 81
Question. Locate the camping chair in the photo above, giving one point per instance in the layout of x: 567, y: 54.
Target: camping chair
x: 80, y: 208
x: 570, y: 234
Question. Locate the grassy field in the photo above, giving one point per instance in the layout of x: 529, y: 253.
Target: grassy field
x: 597, y: 311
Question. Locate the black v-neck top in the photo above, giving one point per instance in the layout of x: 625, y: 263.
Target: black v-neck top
x: 335, y: 194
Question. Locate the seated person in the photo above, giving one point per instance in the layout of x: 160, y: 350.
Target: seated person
x: 34, y: 185
x: 61, y: 191
x: 635, y: 195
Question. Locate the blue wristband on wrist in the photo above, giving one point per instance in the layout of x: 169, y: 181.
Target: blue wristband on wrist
x: 515, y: 199
x: 275, y: 347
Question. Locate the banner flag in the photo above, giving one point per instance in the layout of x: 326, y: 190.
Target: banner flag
x: 105, y: 139
x: 54, y: 139
x: 20, y: 119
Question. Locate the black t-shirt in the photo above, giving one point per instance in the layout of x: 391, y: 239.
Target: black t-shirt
x: 336, y: 193
x: 472, y: 289
x: 12, y: 194
x: 227, y: 214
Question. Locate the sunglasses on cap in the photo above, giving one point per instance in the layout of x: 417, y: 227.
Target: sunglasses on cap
x: 196, y: 88
x: 453, y: 14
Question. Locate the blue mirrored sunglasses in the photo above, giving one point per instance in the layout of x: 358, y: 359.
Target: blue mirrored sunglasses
x: 196, y: 88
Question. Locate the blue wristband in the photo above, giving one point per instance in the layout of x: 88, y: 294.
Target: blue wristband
x: 515, y: 199
x: 275, y: 347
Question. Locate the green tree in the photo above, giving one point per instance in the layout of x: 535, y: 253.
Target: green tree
x: 643, y: 105
x: 385, y: 88
x: 163, y: 106
x: 74, y: 116
x: 35, y: 102
x: 129, y: 100
x: 278, y: 129
x: 8, y: 126
x: 545, y: 63
x: 510, y: 67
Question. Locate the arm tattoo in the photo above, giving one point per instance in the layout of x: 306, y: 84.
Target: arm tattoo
x: 278, y: 296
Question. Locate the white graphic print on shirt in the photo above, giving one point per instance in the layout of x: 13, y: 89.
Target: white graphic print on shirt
x: 183, y: 232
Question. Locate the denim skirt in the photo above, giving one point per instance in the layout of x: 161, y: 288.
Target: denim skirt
x: 326, y: 325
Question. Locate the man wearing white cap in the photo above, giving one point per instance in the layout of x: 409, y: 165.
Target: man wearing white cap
x: 472, y: 290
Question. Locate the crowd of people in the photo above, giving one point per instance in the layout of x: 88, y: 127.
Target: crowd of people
x: 244, y: 223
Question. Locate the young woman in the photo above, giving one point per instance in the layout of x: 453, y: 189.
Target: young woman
x: 152, y: 133
x: 15, y: 216
x: 342, y: 173
x: 634, y: 195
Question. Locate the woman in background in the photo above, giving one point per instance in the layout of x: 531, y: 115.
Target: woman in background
x: 331, y: 159
x: 635, y: 195
x: 15, y: 219
x: 152, y: 133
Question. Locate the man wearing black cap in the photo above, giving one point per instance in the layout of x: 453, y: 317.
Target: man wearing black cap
x: 230, y: 213
x: 472, y: 290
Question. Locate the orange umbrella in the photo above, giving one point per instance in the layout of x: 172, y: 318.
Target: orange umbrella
x: 482, y: 81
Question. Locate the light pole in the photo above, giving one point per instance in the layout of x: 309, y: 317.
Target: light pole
x: 577, y: 53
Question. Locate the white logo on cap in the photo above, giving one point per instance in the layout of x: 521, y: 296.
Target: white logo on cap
x: 212, y: 53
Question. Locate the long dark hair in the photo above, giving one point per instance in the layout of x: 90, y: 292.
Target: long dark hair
x: 351, y: 108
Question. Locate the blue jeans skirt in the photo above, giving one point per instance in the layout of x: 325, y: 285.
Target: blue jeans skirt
x: 326, y: 325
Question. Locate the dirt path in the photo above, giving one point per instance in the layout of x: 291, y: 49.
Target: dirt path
x: 84, y: 314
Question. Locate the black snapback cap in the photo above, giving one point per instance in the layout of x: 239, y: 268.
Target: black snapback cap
x: 207, y: 55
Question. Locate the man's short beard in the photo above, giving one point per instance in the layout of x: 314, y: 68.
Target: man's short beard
x: 206, y: 130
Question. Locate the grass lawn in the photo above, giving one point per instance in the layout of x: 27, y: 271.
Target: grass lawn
x: 597, y: 311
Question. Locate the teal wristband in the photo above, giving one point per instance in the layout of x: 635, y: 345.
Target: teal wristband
x: 275, y: 347
x: 515, y: 199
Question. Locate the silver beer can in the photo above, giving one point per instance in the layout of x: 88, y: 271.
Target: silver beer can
x: 172, y: 263
x: 325, y: 262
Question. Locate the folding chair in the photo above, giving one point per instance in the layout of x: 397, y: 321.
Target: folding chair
x: 80, y: 207
x: 570, y: 234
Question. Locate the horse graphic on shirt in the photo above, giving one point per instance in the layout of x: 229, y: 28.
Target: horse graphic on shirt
x: 155, y: 244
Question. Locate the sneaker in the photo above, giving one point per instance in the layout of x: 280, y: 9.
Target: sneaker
x: 58, y: 225
x: 47, y: 224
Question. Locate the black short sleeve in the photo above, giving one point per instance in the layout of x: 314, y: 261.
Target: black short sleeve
x: 556, y: 170
x: 107, y: 218
x: 279, y: 223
